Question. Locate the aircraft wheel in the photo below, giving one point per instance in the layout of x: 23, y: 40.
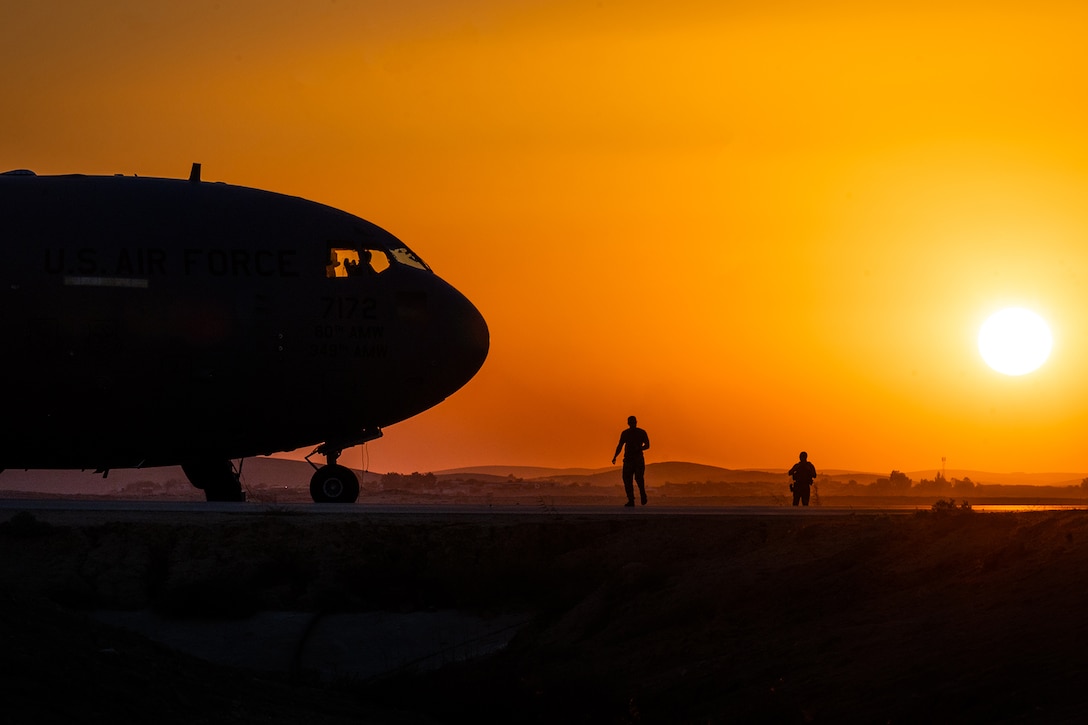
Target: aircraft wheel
x: 334, y: 484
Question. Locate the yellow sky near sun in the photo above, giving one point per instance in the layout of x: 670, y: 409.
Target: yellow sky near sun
x: 760, y: 227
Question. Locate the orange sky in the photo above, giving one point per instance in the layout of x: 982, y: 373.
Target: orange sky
x: 760, y: 227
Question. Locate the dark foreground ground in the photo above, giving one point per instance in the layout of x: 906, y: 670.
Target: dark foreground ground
x: 919, y: 617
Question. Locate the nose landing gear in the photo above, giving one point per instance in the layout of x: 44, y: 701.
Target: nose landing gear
x: 333, y: 483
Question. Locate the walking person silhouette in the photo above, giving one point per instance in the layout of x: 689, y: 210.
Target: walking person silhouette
x: 633, y: 441
x: 802, y: 473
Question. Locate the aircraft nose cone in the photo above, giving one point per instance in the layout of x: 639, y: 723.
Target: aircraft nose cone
x: 445, y: 340
x: 467, y: 339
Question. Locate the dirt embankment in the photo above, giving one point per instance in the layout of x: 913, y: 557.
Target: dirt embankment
x: 856, y: 618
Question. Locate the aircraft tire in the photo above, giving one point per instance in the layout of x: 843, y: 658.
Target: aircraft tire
x: 334, y: 484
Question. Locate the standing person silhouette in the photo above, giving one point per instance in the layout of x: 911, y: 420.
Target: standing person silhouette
x: 633, y: 442
x: 802, y: 473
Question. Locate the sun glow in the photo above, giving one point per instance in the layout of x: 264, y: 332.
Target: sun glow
x: 1014, y: 341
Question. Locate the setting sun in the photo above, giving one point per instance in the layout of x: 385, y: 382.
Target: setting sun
x: 1014, y: 341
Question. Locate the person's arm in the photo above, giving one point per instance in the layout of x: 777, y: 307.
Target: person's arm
x: 619, y: 447
x: 645, y: 441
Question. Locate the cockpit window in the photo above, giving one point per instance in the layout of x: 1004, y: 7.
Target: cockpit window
x: 348, y: 261
x: 406, y: 256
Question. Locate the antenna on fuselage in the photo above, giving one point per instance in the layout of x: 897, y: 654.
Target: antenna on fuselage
x: 194, y: 175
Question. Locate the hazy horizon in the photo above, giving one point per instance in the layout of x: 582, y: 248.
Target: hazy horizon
x: 354, y: 460
x: 527, y: 471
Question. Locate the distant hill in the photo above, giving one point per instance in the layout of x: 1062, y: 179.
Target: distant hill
x: 283, y: 479
x: 671, y: 471
x: 680, y: 472
x: 87, y: 483
x: 525, y: 472
x: 683, y: 472
x: 265, y: 472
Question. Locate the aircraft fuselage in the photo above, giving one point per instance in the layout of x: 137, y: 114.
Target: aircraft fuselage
x: 157, y: 321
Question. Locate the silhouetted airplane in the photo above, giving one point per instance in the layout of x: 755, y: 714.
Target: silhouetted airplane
x: 153, y: 322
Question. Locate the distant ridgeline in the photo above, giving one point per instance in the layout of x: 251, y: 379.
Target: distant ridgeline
x: 895, y: 485
x: 281, y: 480
x: 694, y: 481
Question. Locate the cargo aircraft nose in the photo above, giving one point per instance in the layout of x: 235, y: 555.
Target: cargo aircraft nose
x: 470, y: 338
x: 458, y: 337
x: 444, y: 341
x: 264, y: 323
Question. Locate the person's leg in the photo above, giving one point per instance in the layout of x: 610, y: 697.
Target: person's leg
x: 640, y: 478
x: 628, y: 487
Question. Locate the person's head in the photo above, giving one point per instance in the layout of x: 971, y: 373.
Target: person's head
x: 632, y: 421
x: 804, y: 456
